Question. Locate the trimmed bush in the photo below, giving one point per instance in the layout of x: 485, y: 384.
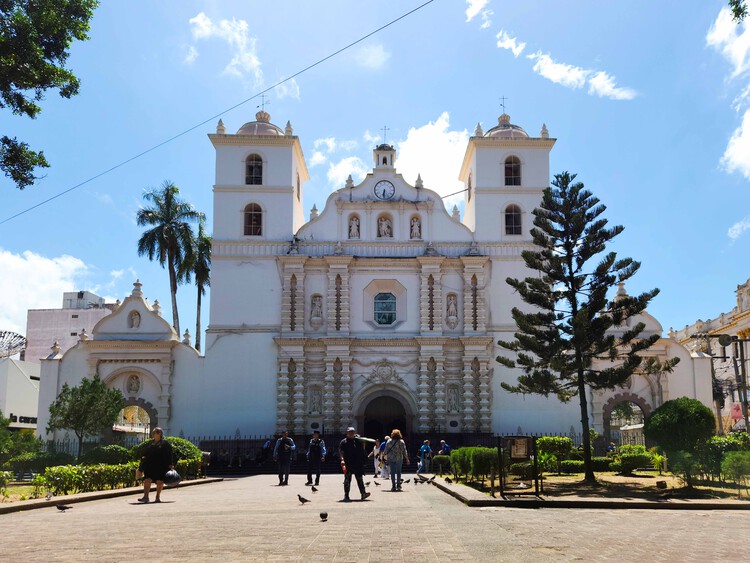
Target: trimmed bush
x: 737, y: 466
x: 66, y: 479
x: 600, y: 463
x: 441, y: 463
x: 37, y: 462
x: 525, y: 469
x: 484, y: 462
x: 109, y: 455
x: 181, y: 449
x: 460, y: 462
x: 631, y: 462
x: 572, y: 466
x: 557, y: 446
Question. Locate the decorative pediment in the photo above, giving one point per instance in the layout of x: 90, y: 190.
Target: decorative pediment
x: 384, y: 373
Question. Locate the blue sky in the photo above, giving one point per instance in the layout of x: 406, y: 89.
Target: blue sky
x: 649, y: 105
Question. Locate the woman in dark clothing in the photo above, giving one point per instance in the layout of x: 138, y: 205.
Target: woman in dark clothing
x: 155, y: 463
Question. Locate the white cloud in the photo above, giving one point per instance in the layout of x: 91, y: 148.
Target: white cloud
x: 724, y: 37
x: 505, y: 41
x: 370, y: 138
x: 338, y: 173
x: 288, y: 89
x: 235, y: 33
x: 567, y: 75
x: 474, y: 7
x: 372, y: 56
x: 486, y: 21
x: 435, y: 152
x: 317, y: 158
x: 32, y: 281
x: 736, y: 230
x: 328, y: 142
x: 191, y: 55
x: 349, y: 145
x: 603, y: 85
x: 736, y: 157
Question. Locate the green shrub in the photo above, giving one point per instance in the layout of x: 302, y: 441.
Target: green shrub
x: 441, y: 463
x: 737, y: 466
x: 110, y: 455
x: 460, y: 462
x: 525, y: 469
x: 600, y: 463
x: 685, y: 465
x: 37, y: 462
x: 181, y: 449
x: 572, y: 466
x: 680, y: 425
x: 711, y: 453
x: 557, y: 446
x: 66, y: 479
x: 484, y: 462
x: 5, y: 478
x: 631, y: 462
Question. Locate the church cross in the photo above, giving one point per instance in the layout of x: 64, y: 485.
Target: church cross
x: 502, y: 102
x: 263, y: 102
x: 385, y: 130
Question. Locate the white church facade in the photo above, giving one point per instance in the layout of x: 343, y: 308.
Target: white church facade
x: 383, y: 310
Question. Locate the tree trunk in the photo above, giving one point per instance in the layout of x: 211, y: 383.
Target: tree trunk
x: 198, y: 323
x: 80, y: 445
x: 173, y: 291
x: 589, y: 476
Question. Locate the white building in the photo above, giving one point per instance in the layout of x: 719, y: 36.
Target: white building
x: 19, y: 392
x: 81, y: 310
x: 382, y: 311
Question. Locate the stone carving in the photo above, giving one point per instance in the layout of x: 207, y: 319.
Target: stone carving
x: 384, y: 373
x: 134, y: 321
x: 316, y: 311
x: 316, y: 401
x: 416, y: 228
x: 354, y: 227
x: 134, y: 384
x: 451, y: 311
x: 453, y: 399
x: 385, y: 229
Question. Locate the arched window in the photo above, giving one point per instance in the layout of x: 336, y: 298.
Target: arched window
x: 254, y: 170
x: 253, y: 220
x: 512, y: 220
x: 385, y: 308
x: 512, y: 171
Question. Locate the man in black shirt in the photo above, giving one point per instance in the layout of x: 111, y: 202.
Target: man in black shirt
x: 316, y: 453
x: 282, y: 453
x: 353, y: 456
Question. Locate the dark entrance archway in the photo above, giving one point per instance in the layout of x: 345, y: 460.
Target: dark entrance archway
x: 382, y: 415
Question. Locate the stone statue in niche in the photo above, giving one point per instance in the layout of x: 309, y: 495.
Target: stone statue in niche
x: 316, y: 401
x: 134, y: 384
x: 134, y: 319
x: 384, y: 228
x: 416, y: 228
x: 354, y: 227
x: 316, y: 311
x: 452, y: 399
x: 451, y: 310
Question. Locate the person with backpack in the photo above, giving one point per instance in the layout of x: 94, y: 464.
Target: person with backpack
x: 425, y: 457
x: 316, y: 454
x: 396, y: 454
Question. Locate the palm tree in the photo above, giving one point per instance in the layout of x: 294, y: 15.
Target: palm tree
x: 200, y: 266
x: 170, y: 239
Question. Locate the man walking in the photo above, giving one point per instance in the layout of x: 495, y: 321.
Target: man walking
x: 316, y: 453
x: 282, y: 453
x: 425, y: 456
x: 353, y: 456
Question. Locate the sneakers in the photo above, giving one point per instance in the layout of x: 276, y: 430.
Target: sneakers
x: 365, y: 495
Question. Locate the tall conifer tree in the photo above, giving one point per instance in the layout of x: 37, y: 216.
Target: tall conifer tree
x: 565, y: 342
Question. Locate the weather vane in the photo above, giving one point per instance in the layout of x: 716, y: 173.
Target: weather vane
x: 385, y: 130
x: 502, y: 102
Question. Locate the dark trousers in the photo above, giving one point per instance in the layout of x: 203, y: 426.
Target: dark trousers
x: 285, y: 466
x: 313, y: 466
x: 348, y: 483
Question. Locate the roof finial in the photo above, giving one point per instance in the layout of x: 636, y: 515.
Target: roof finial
x: 419, y: 183
x: 349, y: 182
x: 288, y: 130
x: 502, y: 102
x: 220, y: 129
x: 544, y: 134
x: 479, y: 132
x: 137, y: 289
x: 263, y: 102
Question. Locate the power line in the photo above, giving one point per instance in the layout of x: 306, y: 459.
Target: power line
x: 213, y: 117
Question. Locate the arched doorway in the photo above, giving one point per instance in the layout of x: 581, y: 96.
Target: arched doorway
x: 382, y: 415
x: 623, y: 417
x: 135, y: 421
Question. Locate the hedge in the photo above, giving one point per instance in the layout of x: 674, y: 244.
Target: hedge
x: 109, y: 455
x: 572, y: 466
x: 181, y: 449
x: 441, y: 463
x: 37, y: 462
x: 525, y: 469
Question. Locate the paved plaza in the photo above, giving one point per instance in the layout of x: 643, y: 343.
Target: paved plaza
x: 252, y: 519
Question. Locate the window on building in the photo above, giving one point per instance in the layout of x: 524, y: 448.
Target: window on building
x: 469, y: 187
x: 73, y: 316
x: 512, y: 171
x: 254, y: 170
x: 253, y: 220
x: 299, y: 191
x: 385, y: 308
x: 512, y: 220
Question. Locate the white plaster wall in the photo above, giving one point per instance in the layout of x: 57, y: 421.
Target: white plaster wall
x: 277, y: 164
x: 245, y: 292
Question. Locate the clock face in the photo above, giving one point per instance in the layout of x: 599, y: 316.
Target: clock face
x: 384, y: 190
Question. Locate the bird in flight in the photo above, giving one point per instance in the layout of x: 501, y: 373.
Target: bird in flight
x: 302, y: 499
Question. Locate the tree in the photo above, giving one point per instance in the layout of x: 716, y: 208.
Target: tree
x: 171, y: 238
x: 739, y: 10
x: 34, y: 42
x: 86, y: 409
x: 6, y: 440
x: 680, y: 424
x: 200, y: 266
x: 565, y: 344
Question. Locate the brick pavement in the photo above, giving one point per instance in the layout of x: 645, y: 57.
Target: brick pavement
x: 252, y: 519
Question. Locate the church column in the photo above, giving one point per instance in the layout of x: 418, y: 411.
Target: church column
x: 290, y: 394
x: 468, y: 396
x: 474, y: 294
x: 282, y: 396
x: 329, y: 396
x: 339, y: 403
x: 164, y: 395
x: 299, y: 398
x: 438, y: 396
x: 477, y: 378
x: 430, y: 295
x: 431, y: 384
x: 293, y: 294
x: 423, y: 393
x: 338, y: 304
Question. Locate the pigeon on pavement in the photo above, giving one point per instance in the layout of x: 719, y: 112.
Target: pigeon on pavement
x: 448, y: 480
x: 432, y: 478
x: 377, y: 484
x: 302, y: 499
x: 63, y: 508
x: 324, y: 516
x: 313, y: 489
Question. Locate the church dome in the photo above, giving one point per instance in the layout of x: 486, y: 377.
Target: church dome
x: 261, y: 126
x: 506, y: 130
